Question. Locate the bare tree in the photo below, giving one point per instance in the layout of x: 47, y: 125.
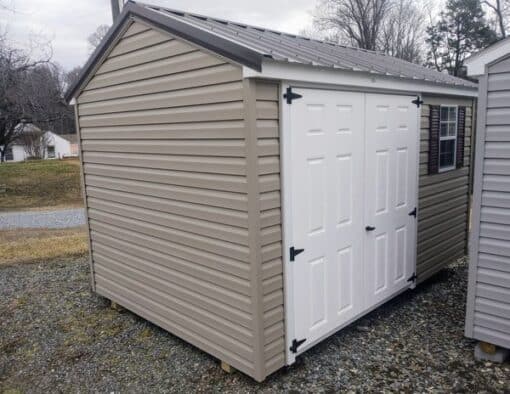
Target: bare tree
x: 43, y: 90
x: 95, y: 38
x: 396, y: 27
x: 500, y: 10
x: 14, y: 64
x: 355, y: 22
x: 403, y: 32
x: 34, y: 142
x: 72, y: 76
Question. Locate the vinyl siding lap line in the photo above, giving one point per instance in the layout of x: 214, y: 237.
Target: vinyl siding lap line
x: 169, y: 265
x: 193, y: 60
x: 221, y: 248
x: 171, y: 254
x: 154, y: 290
x: 144, y: 56
x: 195, y: 211
x: 221, y: 199
x: 198, y: 227
x: 176, y: 290
x: 102, y: 231
x: 212, y: 76
x: 220, y: 93
x: 236, y: 301
x: 227, y: 183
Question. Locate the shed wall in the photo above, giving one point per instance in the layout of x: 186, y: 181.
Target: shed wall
x: 164, y: 151
x: 488, y: 306
x: 443, y: 206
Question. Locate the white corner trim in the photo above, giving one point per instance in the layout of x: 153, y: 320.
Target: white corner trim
x: 476, y: 63
x: 345, y: 79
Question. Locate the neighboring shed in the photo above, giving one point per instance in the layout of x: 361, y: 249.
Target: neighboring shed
x: 488, y: 303
x: 252, y: 191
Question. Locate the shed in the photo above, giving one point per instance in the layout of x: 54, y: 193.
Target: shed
x: 488, y: 302
x: 253, y: 192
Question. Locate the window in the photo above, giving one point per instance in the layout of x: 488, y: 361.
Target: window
x: 9, y: 156
x: 51, y: 152
x: 447, y: 138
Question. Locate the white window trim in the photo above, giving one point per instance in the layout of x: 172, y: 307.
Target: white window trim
x: 449, y: 138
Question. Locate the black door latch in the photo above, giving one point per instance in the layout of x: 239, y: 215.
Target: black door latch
x: 370, y: 228
x: 414, y: 212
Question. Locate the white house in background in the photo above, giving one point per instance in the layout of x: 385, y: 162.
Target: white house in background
x: 59, y: 147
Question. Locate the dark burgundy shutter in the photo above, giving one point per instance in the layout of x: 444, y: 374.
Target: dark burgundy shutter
x: 461, y: 133
x: 434, y: 139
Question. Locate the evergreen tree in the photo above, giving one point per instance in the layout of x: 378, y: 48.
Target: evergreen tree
x: 461, y: 30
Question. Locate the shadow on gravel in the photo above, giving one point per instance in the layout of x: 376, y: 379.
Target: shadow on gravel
x: 56, y: 336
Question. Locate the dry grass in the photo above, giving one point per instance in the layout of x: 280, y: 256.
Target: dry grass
x: 38, y: 184
x: 35, y: 245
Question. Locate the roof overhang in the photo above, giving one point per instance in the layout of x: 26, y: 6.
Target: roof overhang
x: 476, y: 63
x: 231, y: 50
x: 299, y: 73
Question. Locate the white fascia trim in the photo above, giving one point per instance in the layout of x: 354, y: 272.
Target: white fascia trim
x: 345, y: 79
x: 476, y: 63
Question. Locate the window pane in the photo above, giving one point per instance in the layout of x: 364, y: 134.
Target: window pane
x: 447, y: 153
x: 451, y: 129
x: 453, y: 113
x: 444, y: 113
x: 444, y: 129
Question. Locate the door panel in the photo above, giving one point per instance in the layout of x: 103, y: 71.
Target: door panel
x: 327, y: 144
x: 390, y: 182
x: 354, y: 158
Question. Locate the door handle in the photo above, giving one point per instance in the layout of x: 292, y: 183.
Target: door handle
x: 370, y: 228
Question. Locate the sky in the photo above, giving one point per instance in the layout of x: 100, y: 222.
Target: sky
x: 68, y: 23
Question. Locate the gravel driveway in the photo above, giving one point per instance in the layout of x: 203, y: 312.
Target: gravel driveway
x: 62, y: 218
x: 57, y: 337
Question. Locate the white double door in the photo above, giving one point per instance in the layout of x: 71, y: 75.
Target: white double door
x: 353, y: 184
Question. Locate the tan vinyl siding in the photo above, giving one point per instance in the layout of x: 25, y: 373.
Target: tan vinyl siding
x: 271, y: 226
x: 164, y: 150
x: 443, y: 207
x: 488, y: 311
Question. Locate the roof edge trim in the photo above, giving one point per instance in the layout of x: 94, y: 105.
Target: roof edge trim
x: 300, y: 73
x: 194, y: 35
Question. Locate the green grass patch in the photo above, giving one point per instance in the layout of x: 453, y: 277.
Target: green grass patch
x: 40, y: 184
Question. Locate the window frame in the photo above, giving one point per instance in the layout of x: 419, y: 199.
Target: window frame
x: 449, y: 137
x: 9, y: 154
x: 54, y: 154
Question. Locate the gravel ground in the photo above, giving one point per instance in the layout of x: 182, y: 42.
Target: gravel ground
x: 57, y: 337
x: 62, y: 218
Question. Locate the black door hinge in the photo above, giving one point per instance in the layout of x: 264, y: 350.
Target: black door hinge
x: 290, y: 95
x: 294, y: 252
x: 414, y: 212
x: 296, y: 344
x: 413, y: 278
x: 418, y: 101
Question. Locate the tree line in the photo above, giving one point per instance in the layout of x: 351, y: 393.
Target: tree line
x: 412, y: 30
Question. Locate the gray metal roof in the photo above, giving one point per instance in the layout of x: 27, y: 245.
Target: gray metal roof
x: 292, y: 48
x: 251, y: 45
